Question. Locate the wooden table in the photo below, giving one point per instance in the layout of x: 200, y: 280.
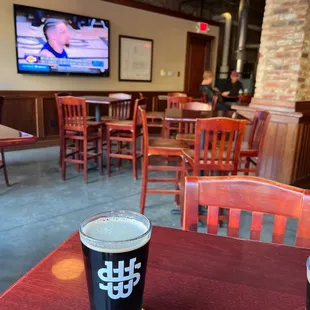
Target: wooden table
x: 98, y: 101
x: 12, y: 137
x: 186, y: 270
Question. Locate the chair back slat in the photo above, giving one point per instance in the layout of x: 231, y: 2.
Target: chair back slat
x: 221, y: 149
x: 256, y: 225
x: 259, y: 128
x: 246, y: 193
x: 234, y: 223
x: 73, y: 114
x: 279, y: 229
x: 213, y: 219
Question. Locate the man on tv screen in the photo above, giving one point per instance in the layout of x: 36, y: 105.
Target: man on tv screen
x: 57, y: 37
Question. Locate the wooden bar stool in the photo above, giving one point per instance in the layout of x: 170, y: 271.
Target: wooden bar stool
x: 216, y: 150
x: 251, y: 150
x: 174, y: 102
x: 164, y: 149
x: 73, y: 117
x: 187, y: 130
x: 2, y: 159
x: 127, y: 131
x: 252, y: 194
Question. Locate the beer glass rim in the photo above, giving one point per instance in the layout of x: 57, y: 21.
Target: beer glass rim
x: 110, y: 213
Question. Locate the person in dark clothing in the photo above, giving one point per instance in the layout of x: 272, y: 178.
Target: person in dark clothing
x: 233, y: 86
x: 207, y: 89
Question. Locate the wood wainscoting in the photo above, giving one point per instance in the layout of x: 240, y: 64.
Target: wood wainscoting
x: 35, y: 112
x: 286, y: 152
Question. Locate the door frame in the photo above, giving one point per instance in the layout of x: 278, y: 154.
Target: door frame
x: 211, y: 60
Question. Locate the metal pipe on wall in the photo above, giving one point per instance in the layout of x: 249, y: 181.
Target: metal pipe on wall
x: 228, y: 22
x: 243, y: 25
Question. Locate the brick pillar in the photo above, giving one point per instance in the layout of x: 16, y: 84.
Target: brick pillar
x: 283, y: 69
x: 283, y: 88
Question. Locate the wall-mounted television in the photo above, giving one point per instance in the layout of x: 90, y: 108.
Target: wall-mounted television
x: 51, y: 42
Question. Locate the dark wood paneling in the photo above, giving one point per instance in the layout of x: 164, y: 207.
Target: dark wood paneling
x: 35, y: 112
x: 163, y: 11
x: 302, y: 161
x: 50, y: 117
x: 20, y: 113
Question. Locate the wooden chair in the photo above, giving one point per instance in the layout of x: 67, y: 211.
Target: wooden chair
x: 73, y: 118
x: 2, y: 159
x: 72, y: 146
x: 164, y: 149
x: 246, y: 193
x: 217, y: 146
x: 156, y: 118
x: 214, y: 101
x: 245, y: 99
x: 119, y: 110
x: 216, y: 149
x: 251, y: 150
x: 187, y: 130
x: 174, y: 103
x: 125, y: 131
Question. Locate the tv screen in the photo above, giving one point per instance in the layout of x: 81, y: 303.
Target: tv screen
x: 60, y: 43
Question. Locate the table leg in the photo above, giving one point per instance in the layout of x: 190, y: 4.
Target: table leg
x: 98, y: 113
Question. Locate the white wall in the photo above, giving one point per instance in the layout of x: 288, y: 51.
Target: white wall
x: 169, y: 35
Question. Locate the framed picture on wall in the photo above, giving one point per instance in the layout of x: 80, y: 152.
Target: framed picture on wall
x: 135, y: 59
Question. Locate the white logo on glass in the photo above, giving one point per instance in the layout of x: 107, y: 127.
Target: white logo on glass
x: 115, y: 278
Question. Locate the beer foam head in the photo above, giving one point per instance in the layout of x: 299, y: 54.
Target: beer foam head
x: 115, y: 231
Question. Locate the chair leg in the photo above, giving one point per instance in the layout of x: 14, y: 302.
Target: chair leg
x: 247, y: 165
x: 60, y: 152
x: 6, y: 178
x: 63, y: 158
x: 77, y: 155
x: 119, y: 161
x: 177, y: 187
x: 144, y: 183
x: 99, y: 151
x: 85, y: 160
x: 108, y: 151
x: 134, y: 157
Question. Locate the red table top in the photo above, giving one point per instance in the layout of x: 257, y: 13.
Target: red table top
x: 186, y: 270
x: 12, y: 137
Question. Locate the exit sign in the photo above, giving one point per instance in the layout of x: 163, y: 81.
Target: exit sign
x: 202, y: 27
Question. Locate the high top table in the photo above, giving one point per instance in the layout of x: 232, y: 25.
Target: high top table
x: 12, y: 137
x: 186, y: 270
x: 98, y: 101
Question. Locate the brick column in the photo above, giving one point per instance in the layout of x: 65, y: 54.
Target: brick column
x: 283, y: 70
x: 283, y: 88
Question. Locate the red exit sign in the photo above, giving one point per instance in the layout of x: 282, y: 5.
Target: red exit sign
x: 202, y: 27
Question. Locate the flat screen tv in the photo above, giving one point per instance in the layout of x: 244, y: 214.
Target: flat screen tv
x: 50, y: 42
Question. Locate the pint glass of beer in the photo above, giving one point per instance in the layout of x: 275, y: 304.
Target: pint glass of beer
x: 115, y: 248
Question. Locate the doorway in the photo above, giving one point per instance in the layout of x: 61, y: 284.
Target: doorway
x: 200, y: 56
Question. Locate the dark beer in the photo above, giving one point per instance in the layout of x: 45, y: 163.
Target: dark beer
x: 115, y: 248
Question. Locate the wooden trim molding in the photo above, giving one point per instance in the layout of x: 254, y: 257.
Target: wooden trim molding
x: 160, y: 10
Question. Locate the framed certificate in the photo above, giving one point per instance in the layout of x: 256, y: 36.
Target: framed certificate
x: 135, y: 59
